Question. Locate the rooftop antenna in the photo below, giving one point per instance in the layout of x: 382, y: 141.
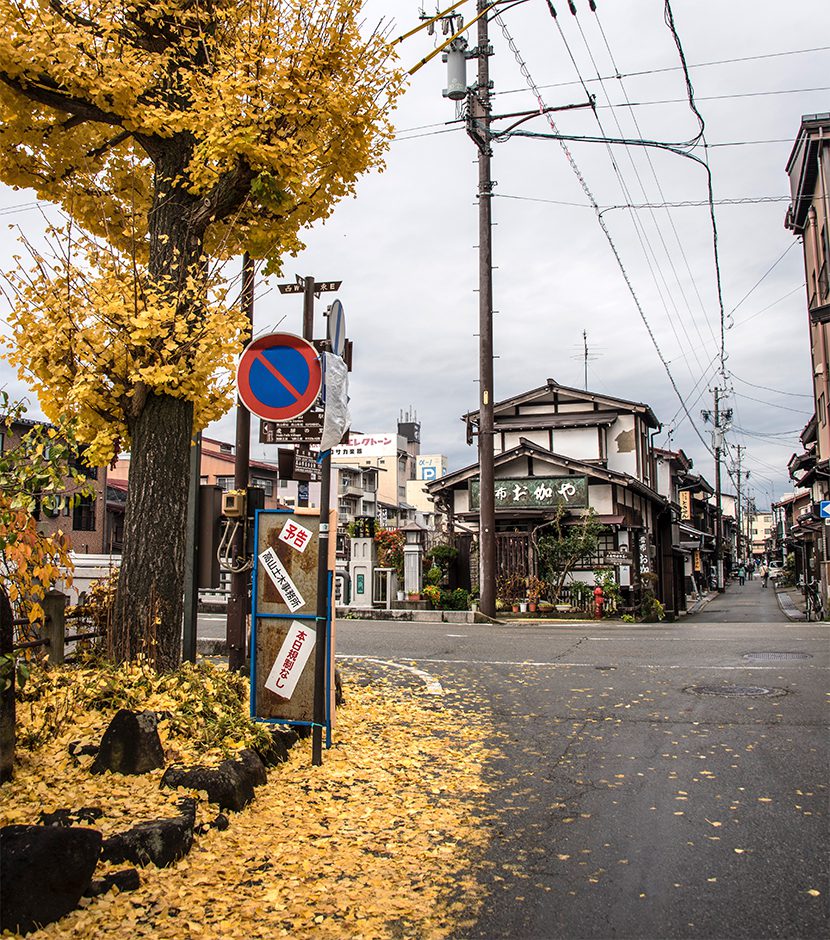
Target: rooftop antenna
x: 586, y: 356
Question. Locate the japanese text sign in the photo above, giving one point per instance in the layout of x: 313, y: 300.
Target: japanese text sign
x: 291, y: 660
x: 535, y: 493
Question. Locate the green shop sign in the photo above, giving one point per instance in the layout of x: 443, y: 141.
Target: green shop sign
x: 535, y: 493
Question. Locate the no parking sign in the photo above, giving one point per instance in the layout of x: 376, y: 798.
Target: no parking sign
x: 278, y: 376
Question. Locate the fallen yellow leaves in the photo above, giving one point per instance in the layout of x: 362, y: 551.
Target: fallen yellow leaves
x: 378, y: 842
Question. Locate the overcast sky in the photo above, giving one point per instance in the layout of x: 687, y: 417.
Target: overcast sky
x: 405, y: 247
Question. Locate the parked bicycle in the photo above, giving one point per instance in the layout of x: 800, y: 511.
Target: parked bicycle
x: 814, y: 605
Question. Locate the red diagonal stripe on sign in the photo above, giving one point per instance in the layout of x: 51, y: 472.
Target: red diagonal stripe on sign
x: 260, y: 358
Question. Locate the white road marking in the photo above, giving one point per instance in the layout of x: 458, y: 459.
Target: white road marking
x: 433, y: 686
x: 557, y: 665
x: 459, y: 635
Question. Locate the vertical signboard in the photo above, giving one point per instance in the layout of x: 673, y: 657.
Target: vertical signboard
x: 284, y: 626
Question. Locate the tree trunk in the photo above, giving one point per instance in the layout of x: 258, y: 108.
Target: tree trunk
x: 149, y: 604
x: 7, y: 713
x: 150, y: 599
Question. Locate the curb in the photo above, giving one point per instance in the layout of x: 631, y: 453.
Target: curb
x: 788, y: 608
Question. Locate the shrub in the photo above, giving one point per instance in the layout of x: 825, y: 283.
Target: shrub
x: 433, y: 594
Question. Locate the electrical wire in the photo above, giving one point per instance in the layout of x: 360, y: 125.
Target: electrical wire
x: 766, y: 388
x: 676, y: 68
x: 656, y: 178
x: 590, y: 196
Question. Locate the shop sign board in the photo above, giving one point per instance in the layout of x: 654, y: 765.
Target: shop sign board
x: 535, y: 493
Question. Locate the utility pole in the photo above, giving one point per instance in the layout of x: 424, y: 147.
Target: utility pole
x: 718, y: 501
x: 738, y: 507
x: 238, y: 600
x: 721, y: 421
x: 478, y: 127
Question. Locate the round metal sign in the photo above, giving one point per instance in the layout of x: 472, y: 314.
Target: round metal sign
x: 278, y: 376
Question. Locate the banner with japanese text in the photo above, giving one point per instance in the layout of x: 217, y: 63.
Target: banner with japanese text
x: 535, y: 493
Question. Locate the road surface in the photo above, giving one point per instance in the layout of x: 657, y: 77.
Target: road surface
x: 655, y: 780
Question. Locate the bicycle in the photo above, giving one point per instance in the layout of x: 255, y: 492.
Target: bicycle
x: 814, y: 605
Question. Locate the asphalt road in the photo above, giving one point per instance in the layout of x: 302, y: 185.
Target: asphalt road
x: 654, y: 781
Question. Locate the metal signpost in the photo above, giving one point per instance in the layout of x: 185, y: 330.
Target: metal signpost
x: 288, y: 639
x: 291, y: 650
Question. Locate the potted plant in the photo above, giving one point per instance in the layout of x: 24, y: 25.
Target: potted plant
x: 433, y: 594
x: 534, y: 587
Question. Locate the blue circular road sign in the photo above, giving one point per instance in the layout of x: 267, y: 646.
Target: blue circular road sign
x: 278, y: 376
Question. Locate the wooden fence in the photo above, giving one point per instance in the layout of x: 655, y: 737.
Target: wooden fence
x: 52, y: 635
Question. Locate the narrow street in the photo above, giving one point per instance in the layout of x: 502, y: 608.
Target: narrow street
x: 656, y: 780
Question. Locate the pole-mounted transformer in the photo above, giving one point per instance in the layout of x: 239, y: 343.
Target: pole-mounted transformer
x: 456, y: 59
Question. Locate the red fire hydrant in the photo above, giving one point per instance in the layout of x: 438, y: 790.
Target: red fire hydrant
x: 599, y: 600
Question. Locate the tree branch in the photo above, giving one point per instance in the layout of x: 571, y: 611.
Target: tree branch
x: 44, y: 91
x: 225, y: 197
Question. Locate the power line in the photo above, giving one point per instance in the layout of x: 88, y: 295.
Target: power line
x: 770, y: 404
x: 649, y: 252
x: 676, y: 68
x: 663, y: 197
x: 761, y: 278
x: 687, y: 203
x: 766, y: 388
x: 590, y: 196
x: 768, y: 306
x: 733, y: 97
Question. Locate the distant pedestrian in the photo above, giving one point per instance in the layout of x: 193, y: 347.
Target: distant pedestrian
x: 750, y: 570
x: 765, y: 574
x: 741, y: 574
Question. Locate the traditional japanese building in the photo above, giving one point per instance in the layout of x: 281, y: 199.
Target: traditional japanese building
x: 558, y: 448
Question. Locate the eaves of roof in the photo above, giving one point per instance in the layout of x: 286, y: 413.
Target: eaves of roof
x: 530, y: 449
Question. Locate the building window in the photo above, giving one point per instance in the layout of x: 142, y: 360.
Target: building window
x: 225, y: 482
x: 267, y: 485
x: 83, y: 515
x: 605, y: 543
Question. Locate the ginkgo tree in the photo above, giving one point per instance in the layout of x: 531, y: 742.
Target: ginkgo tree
x: 173, y: 134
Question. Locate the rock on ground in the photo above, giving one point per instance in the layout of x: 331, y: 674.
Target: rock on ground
x: 159, y: 841
x: 44, y: 872
x: 131, y: 744
x: 231, y: 784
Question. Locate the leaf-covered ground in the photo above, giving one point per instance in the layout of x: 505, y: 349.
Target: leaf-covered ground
x: 381, y: 841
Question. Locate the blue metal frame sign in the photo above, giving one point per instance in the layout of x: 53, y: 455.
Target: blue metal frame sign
x: 284, y: 625
x: 279, y: 376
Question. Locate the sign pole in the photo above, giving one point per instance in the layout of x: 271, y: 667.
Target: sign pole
x: 238, y: 600
x: 321, y: 656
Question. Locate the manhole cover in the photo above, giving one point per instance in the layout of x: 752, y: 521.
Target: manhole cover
x: 777, y: 657
x: 734, y: 690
